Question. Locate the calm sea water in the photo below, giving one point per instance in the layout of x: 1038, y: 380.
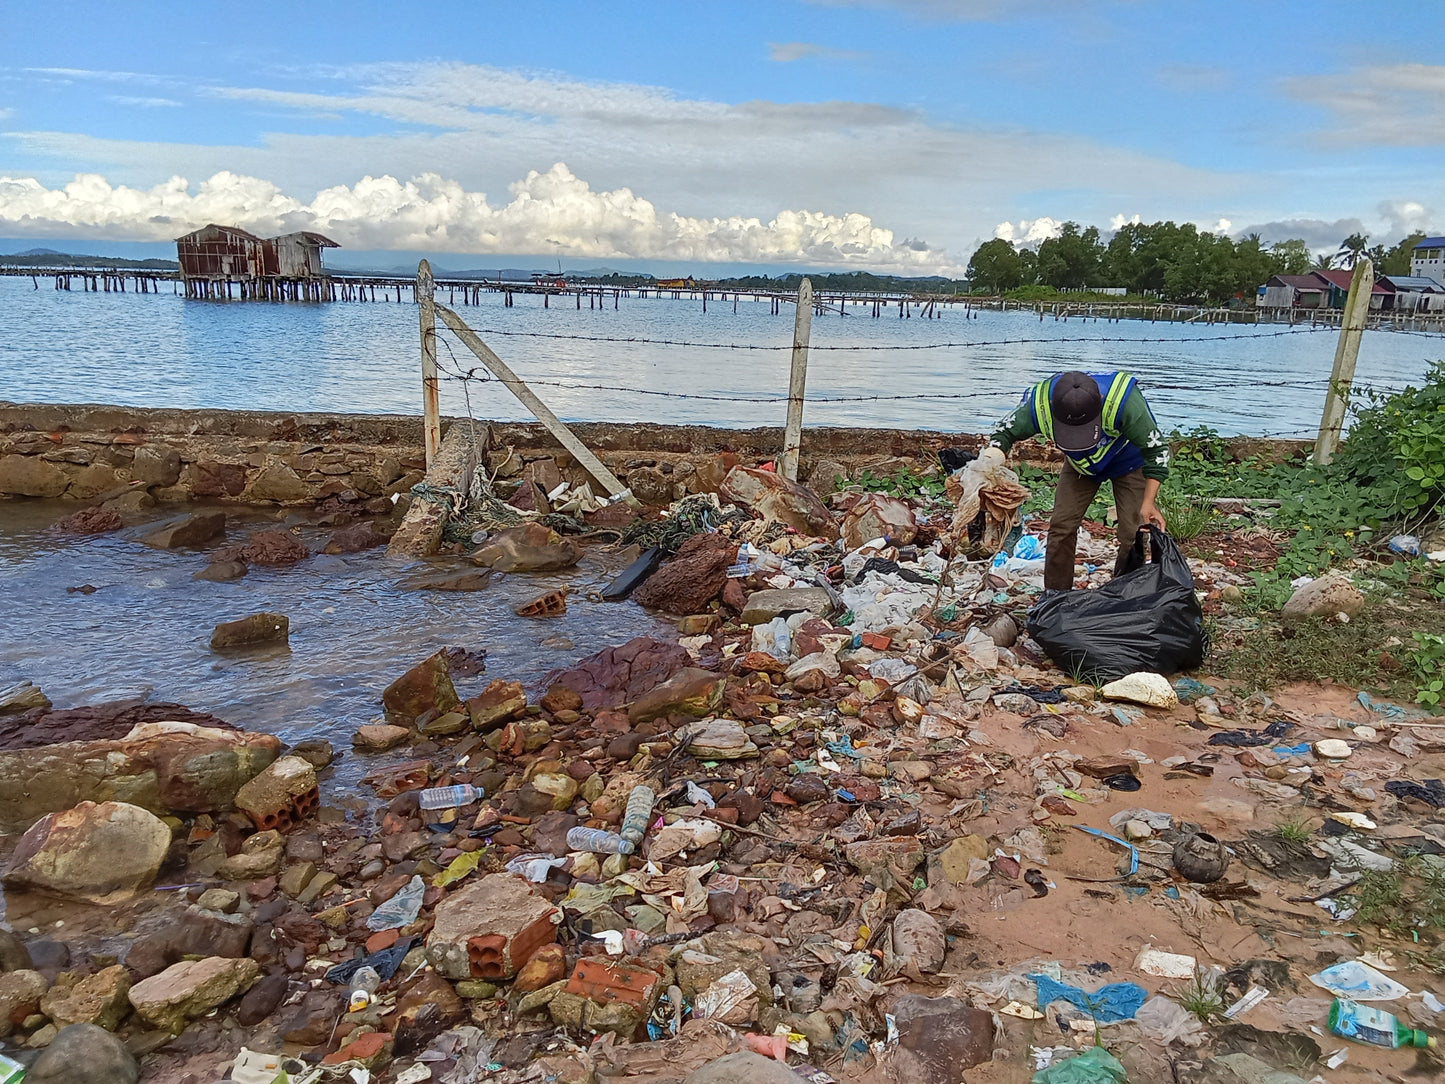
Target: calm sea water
x: 162, y: 350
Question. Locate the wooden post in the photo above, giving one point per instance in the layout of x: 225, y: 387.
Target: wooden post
x: 1347, y: 352
x: 793, y: 434
x: 430, y: 386
x: 539, y: 409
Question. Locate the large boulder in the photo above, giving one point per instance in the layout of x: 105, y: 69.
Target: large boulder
x: 1324, y: 597
x: 261, y: 628
x: 98, y: 999
x: 620, y: 675
x: 777, y: 499
x: 530, y: 547
x: 271, y: 548
x: 490, y: 928
x: 84, y: 1054
x: 877, y: 515
x: 355, y: 538
x: 20, y: 994
x: 164, y: 767
x: 96, y: 520
x: 156, y: 465
x: 692, y: 691
x: 278, y: 482
x: 103, y: 853
x: 31, y: 476
x: 692, y: 579
x: 191, y: 988
x: 427, y: 686
x: 197, y: 529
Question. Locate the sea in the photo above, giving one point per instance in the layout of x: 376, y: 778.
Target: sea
x: 665, y: 360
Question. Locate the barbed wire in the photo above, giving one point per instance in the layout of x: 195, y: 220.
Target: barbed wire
x: 635, y: 340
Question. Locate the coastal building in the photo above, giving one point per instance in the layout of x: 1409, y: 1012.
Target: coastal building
x: 215, y: 259
x: 1427, y: 259
x: 1414, y: 293
x: 1339, y: 289
x: 1294, y: 292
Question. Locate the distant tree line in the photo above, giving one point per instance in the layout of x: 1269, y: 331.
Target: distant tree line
x: 1166, y: 259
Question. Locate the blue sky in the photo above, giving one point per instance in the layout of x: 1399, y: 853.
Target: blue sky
x: 890, y: 134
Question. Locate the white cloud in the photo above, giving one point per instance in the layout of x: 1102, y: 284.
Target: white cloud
x: 785, y: 52
x: 485, y: 127
x: 1118, y: 222
x: 551, y: 212
x: 144, y: 103
x: 1029, y: 232
x: 1397, y: 105
x: 1404, y: 217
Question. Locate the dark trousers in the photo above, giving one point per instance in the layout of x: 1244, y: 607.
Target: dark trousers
x: 1071, y: 500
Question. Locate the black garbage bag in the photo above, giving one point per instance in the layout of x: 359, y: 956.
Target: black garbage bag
x: 1145, y: 619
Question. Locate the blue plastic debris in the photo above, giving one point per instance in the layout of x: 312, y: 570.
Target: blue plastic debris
x: 1188, y: 690
x: 1293, y: 750
x: 1108, y: 1004
x: 1133, y: 850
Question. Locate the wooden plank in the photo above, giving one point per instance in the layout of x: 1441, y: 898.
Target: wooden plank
x: 797, y: 380
x: 539, y: 409
x: 1347, y: 353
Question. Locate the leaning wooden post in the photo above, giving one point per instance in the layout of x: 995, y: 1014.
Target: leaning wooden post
x: 430, y: 386
x: 1347, y: 352
x: 793, y: 434
x: 565, y: 437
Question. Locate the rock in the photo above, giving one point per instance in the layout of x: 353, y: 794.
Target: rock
x: 937, y: 1038
x: 620, y: 675
x: 721, y: 739
x: 870, y: 856
x: 694, y: 578
x: 282, y: 795
x: 222, y: 571
x: 262, y: 1000
x: 315, y: 751
x: 355, y: 539
x: 84, y: 1054
x: 98, y: 999
x: 31, y: 476
x: 693, y: 692
x: 1016, y: 703
x: 530, y: 547
x: 917, y: 943
x: 162, y: 766
x: 490, y: 928
x: 777, y: 499
x: 877, y: 515
x: 1003, y: 630
x: 427, y: 686
x: 763, y: 606
x: 497, y: 703
x: 261, y: 856
x: 22, y: 697
x: 475, y: 580
x: 191, y: 988
x: 188, y: 532
x: 156, y: 465
x: 826, y: 477
x: 547, y: 965
x: 259, y: 628
x: 1146, y: 688
x: 378, y: 738
x: 210, y: 478
x: 1324, y: 597
x: 956, y: 857
x: 102, y: 853
x: 98, y: 520
x: 269, y: 549
x: 20, y: 994
x: 277, y: 482
x: 650, y: 486
x: 14, y: 956
x: 743, y: 1066
x: 221, y: 900
x: 561, y: 698
x: 91, y: 481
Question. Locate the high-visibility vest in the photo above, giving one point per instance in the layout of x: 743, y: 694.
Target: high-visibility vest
x: 1116, y: 389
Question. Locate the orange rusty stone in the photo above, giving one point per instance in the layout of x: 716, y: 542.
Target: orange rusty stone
x: 382, y: 940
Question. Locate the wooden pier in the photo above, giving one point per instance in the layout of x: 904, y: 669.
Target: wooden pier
x: 344, y: 287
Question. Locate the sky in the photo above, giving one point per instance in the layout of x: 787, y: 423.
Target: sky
x: 883, y: 135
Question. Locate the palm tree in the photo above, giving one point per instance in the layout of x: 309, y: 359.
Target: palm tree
x: 1351, y: 249
x: 1324, y: 262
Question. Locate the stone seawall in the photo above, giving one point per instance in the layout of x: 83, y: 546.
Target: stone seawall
x: 140, y: 455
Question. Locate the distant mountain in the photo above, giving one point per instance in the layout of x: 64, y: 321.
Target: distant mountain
x: 47, y: 258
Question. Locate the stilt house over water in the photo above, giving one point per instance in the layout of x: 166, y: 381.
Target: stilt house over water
x: 217, y: 259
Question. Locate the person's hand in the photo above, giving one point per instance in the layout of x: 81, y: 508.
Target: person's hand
x: 1152, y: 515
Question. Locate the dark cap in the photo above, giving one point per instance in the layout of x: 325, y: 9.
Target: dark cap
x: 1078, y: 408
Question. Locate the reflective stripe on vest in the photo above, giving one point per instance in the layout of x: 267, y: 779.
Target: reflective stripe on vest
x: 1118, y: 393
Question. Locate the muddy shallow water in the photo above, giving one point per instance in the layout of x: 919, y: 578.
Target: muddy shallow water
x: 145, y: 630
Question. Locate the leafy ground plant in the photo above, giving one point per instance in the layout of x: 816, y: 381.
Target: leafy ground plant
x: 1201, y: 997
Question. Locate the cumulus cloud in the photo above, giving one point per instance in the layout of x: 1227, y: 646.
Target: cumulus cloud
x: 1319, y: 234
x: 1404, y: 217
x: 487, y: 126
x: 553, y: 212
x: 1397, y: 105
x: 1028, y: 232
x: 785, y: 52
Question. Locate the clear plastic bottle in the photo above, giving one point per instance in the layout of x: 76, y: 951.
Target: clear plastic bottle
x: 441, y: 804
x: 1367, y: 1024
x: 639, y: 812
x: 363, y: 984
x: 598, y: 841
